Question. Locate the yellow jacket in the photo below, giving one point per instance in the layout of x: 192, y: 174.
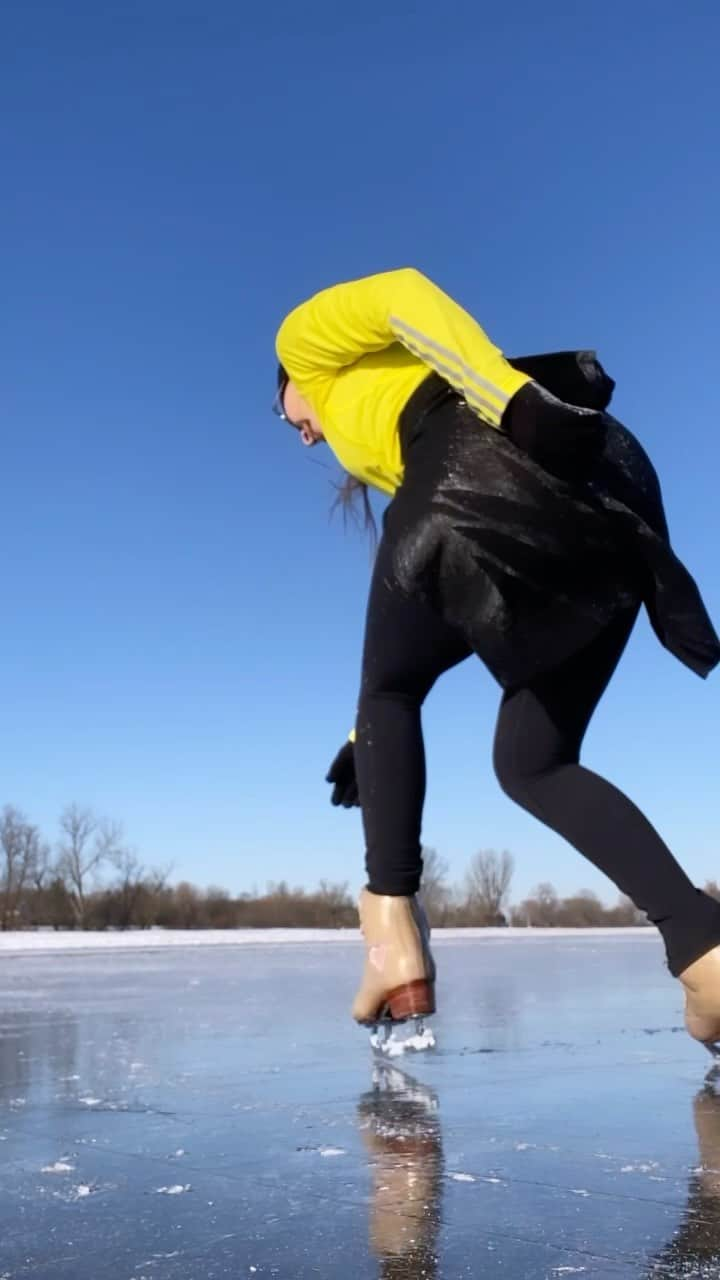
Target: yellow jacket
x: 357, y: 352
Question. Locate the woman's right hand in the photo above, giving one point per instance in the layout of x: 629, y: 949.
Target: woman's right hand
x: 342, y: 775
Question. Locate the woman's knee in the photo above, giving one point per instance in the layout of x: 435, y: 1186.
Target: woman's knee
x: 527, y: 750
x: 522, y: 781
x: 512, y: 778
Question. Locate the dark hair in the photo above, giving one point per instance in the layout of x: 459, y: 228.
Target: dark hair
x: 349, y: 491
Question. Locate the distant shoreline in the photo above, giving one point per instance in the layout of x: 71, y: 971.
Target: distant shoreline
x: 42, y: 941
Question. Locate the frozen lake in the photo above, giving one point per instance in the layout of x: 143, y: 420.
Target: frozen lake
x: 207, y: 1113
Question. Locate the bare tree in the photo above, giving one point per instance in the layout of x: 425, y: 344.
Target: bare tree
x: 488, y: 882
x: 626, y: 913
x: 41, y: 866
x: 540, y: 910
x: 135, y: 891
x: 88, y: 843
x: 21, y: 850
x: 582, y: 910
x: 435, y: 890
x: 334, y: 905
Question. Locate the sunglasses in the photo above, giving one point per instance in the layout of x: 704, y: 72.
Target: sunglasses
x: 278, y: 406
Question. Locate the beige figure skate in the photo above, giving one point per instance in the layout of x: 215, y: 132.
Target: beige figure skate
x: 701, y: 981
x: 399, y: 978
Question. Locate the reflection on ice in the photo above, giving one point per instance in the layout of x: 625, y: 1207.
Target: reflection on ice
x: 400, y: 1128
x: 400, y: 1123
x: 695, y: 1249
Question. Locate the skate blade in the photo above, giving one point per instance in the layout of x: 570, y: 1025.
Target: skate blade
x: 713, y: 1074
x: 386, y: 1043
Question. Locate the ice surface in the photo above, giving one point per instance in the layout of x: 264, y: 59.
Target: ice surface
x: 209, y: 1113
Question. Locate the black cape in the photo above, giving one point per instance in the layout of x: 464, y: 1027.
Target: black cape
x: 529, y: 567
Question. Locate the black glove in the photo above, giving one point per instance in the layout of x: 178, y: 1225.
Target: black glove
x: 342, y: 774
x: 564, y: 439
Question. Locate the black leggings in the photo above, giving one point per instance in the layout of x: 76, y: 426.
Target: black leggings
x: 540, y: 731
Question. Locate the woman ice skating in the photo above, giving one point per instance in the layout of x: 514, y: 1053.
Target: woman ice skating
x: 527, y: 527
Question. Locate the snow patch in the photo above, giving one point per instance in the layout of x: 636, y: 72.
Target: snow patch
x: 461, y: 1177
x: 150, y: 939
x: 332, y: 1151
x: 177, y: 1190
x: 60, y: 1166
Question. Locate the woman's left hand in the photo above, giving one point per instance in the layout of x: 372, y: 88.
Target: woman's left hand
x: 342, y: 774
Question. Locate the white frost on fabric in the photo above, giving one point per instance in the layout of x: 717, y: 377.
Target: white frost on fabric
x: 150, y: 939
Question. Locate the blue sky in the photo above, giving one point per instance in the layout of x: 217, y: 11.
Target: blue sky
x: 181, y: 623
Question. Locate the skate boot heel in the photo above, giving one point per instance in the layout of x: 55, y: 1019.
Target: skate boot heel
x: 412, y: 1000
x: 701, y: 981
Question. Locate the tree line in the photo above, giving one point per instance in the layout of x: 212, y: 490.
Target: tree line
x: 91, y: 879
